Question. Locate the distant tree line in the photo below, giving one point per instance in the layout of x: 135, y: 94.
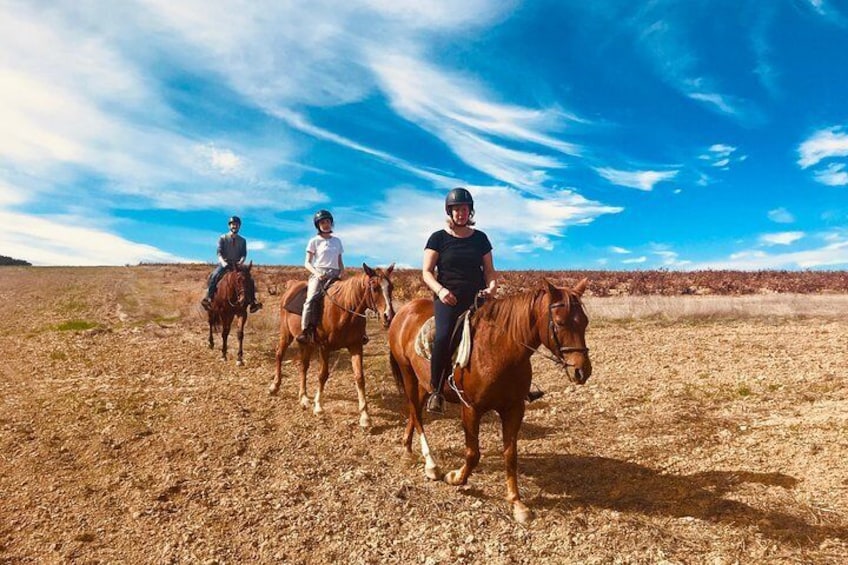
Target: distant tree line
x: 8, y: 261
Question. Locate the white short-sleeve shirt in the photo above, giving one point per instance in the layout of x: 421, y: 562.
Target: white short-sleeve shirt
x: 326, y: 252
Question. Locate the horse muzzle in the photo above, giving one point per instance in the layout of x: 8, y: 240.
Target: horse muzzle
x: 387, y: 318
x: 577, y: 366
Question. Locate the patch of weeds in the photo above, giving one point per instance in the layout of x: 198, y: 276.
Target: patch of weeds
x: 58, y: 356
x: 744, y: 391
x: 76, y: 325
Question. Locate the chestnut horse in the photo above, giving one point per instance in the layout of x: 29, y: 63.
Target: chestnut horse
x: 506, y: 332
x: 235, y: 291
x: 342, y: 326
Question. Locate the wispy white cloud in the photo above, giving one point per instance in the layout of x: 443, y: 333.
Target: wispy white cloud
x: 823, y: 144
x: 782, y: 238
x: 70, y: 241
x: 721, y: 156
x: 834, y: 174
x: 664, y: 39
x: 635, y: 260
x: 641, y: 180
x: 619, y: 250
x: 781, y: 216
x: 458, y: 111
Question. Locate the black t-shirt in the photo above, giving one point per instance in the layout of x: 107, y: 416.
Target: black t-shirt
x: 460, y: 263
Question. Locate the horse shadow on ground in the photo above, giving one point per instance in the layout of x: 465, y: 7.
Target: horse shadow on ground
x: 628, y: 487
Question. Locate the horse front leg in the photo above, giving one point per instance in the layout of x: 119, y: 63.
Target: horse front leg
x: 471, y: 425
x: 323, y: 375
x: 225, y: 333
x: 240, y: 335
x: 511, y: 424
x: 359, y: 378
x: 305, y: 355
x: 211, y: 329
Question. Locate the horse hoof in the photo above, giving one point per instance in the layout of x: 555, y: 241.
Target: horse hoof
x: 521, y: 513
x: 432, y: 473
x: 364, y: 421
x: 240, y: 363
x: 273, y: 390
x: 305, y: 402
x: 453, y: 478
x: 318, y: 410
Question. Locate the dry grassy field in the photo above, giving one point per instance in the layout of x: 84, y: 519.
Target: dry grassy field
x: 713, y: 430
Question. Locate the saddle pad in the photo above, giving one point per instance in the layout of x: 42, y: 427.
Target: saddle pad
x: 425, y: 336
x: 295, y: 303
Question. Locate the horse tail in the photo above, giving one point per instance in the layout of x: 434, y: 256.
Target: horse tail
x: 215, y: 319
x: 397, y: 374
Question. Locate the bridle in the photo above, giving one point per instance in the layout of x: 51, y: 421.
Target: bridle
x: 559, y: 351
x: 553, y: 325
x: 237, y: 288
x: 368, y: 297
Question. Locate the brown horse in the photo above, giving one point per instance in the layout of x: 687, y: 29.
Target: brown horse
x: 234, y: 293
x: 506, y: 333
x: 342, y: 326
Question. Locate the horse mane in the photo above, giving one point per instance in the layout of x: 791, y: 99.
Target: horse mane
x: 515, y: 314
x: 348, y: 290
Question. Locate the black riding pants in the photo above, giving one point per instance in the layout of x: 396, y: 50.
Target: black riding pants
x: 446, y: 317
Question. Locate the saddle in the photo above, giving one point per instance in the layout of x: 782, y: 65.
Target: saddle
x: 295, y: 303
x: 460, y: 343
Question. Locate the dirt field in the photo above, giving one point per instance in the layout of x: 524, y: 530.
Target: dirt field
x: 700, y: 438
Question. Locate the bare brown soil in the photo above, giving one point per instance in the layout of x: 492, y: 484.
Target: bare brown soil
x: 706, y: 439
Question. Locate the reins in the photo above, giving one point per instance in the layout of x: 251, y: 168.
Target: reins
x: 369, y: 294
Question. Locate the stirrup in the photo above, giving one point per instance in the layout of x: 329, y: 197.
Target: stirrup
x: 436, y: 403
x: 255, y: 307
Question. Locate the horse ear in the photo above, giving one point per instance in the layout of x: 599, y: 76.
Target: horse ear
x: 549, y: 287
x: 250, y: 265
x: 368, y: 270
x: 581, y: 287
x: 390, y: 269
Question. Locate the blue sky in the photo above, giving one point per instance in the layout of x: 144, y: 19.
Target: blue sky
x: 699, y: 134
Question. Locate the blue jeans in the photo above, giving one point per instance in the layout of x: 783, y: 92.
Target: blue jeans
x: 214, y: 277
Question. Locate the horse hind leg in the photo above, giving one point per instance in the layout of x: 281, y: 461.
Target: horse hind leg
x: 282, y: 346
x: 240, y: 336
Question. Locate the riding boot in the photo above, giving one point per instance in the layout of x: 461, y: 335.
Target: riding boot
x: 436, y: 401
x: 255, y: 307
x: 306, y: 336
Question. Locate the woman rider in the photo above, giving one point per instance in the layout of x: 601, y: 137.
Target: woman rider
x: 457, y: 266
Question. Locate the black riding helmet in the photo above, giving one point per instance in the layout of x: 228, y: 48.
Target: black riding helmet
x: 322, y: 215
x: 459, y: 196
x: 234, y: 220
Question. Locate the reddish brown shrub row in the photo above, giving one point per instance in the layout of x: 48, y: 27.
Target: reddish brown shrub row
x: 408, y: 283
